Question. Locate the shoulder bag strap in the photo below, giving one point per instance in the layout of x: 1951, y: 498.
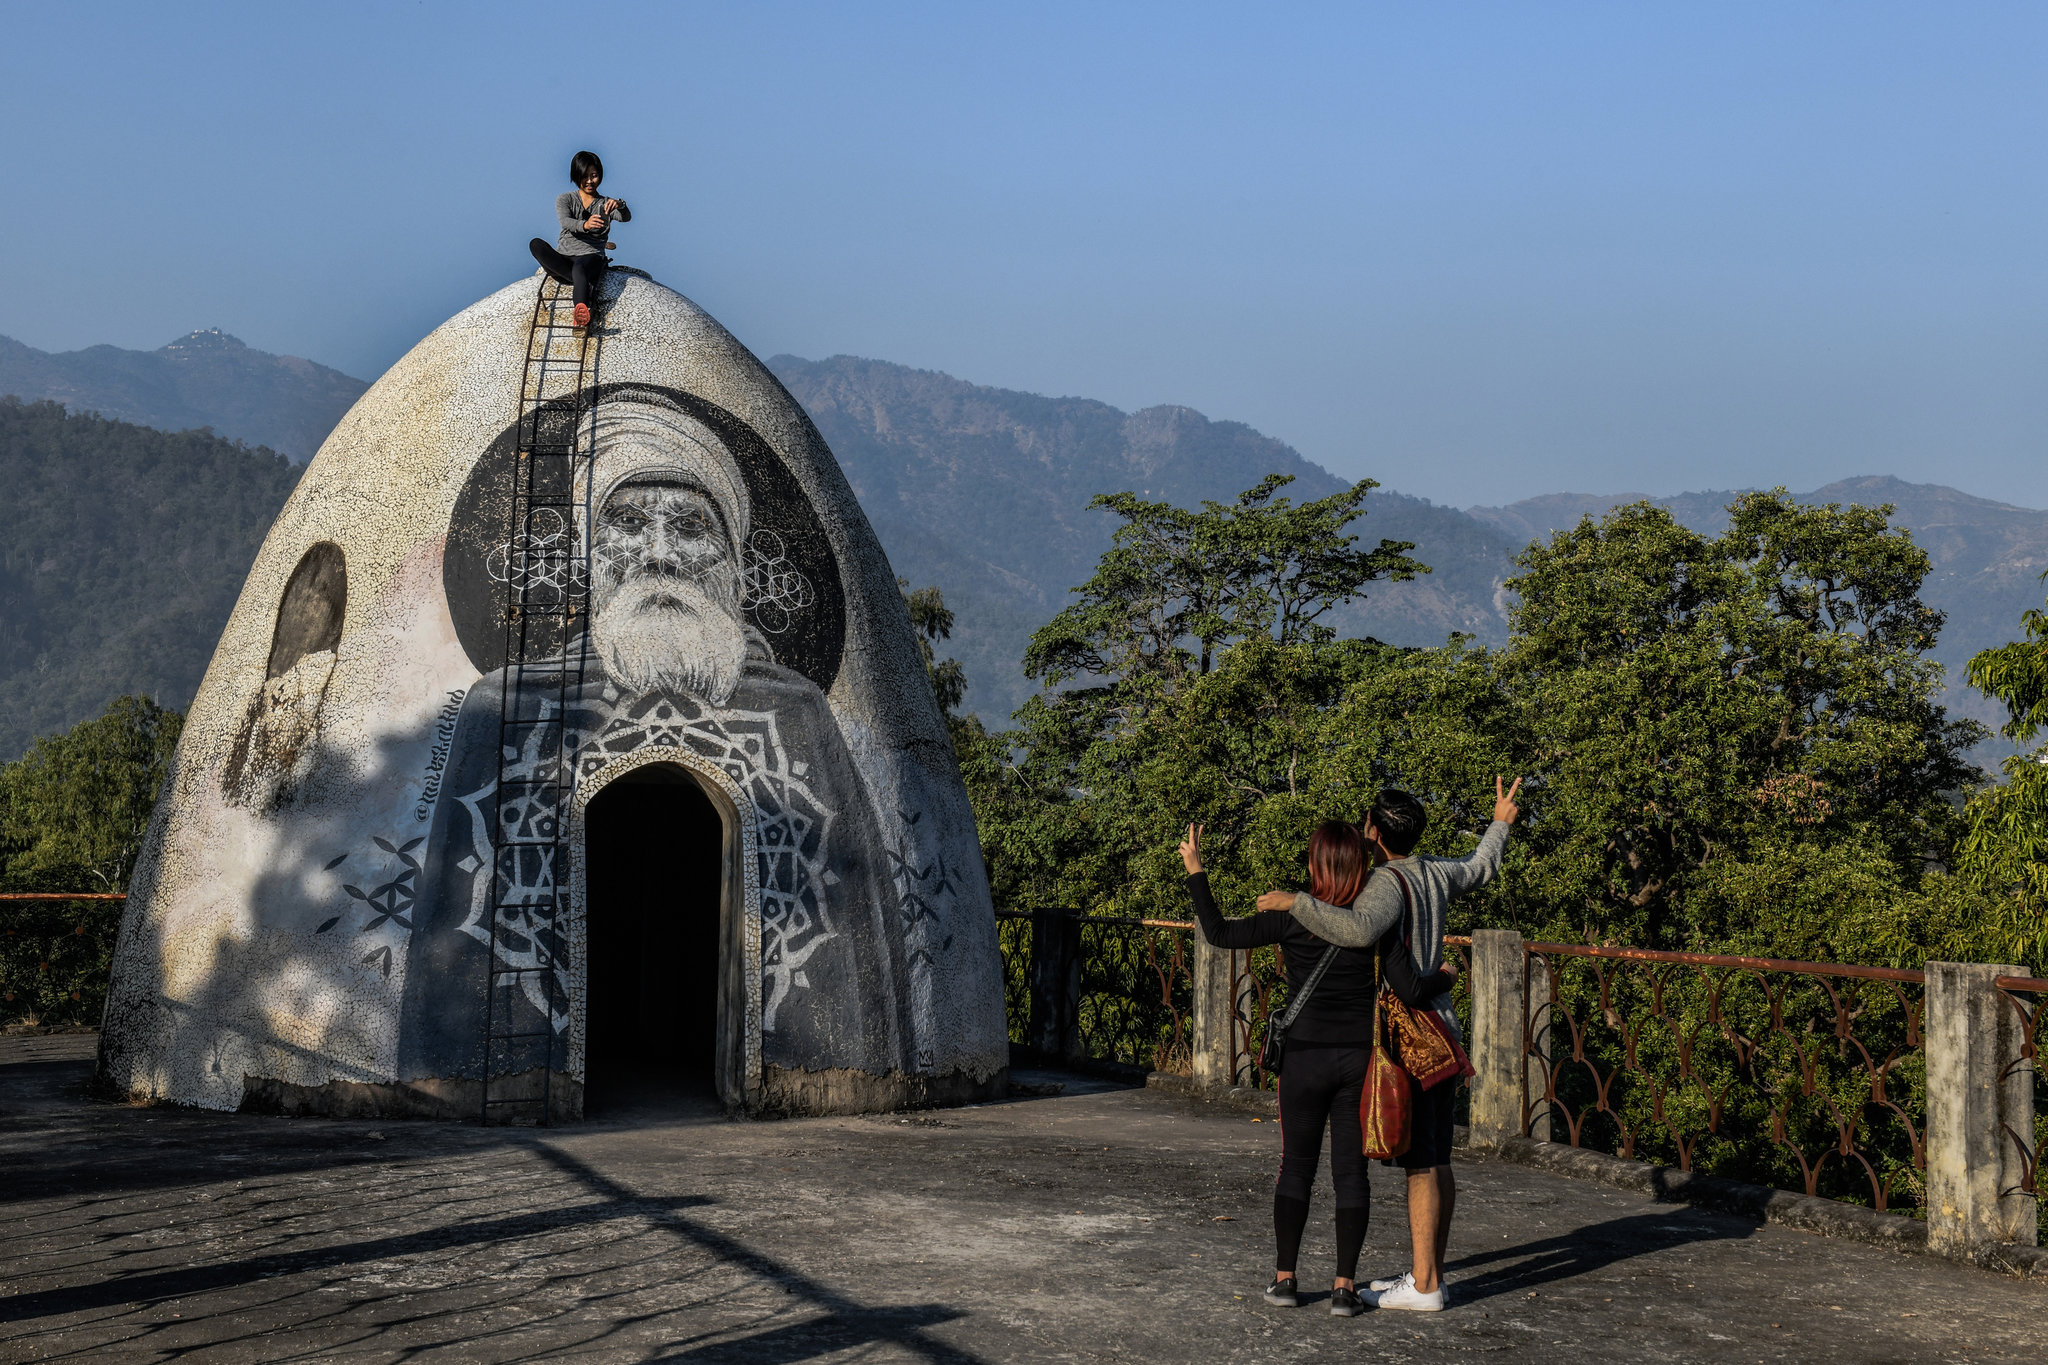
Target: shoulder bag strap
x: 1407, y: 907
x: 1300, y: 999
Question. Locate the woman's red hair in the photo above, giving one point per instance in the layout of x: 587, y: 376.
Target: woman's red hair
x: 1336, y: 863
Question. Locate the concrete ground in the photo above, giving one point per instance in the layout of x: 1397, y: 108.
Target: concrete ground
x: 1097, y: 1224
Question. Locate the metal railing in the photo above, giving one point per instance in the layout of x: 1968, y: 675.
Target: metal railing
x: 1112, y: 988
x: 1121, y: 989
x: 1793, y: 1074
x: 53, y: 963
x: 2027, y: 997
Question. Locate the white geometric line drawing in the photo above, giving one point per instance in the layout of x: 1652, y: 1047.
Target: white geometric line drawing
x: 770, y: 586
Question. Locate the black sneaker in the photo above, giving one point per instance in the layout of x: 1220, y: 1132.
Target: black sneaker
x: 1281, y: 1292
x: 1345, y: 1303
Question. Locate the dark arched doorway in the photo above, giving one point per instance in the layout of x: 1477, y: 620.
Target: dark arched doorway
x: 653, y: 846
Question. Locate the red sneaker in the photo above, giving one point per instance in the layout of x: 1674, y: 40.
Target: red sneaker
x: 582, y: 315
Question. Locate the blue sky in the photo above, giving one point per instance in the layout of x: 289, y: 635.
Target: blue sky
x: 1475, y: 251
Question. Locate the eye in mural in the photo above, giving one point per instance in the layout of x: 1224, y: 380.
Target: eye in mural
x: 274, y: 746
x: 707, y: 617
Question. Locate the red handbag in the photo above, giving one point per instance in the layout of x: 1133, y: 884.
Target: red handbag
x: 1385, y: 1109
x: 1429, y: 1051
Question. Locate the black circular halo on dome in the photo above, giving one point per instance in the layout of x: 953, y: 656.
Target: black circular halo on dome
x: 805, y: 628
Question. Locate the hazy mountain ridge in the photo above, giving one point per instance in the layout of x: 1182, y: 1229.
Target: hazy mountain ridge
x: 204, y: 379
x: 126, y: 550
x: 985, y: 492
x: 982, y: 491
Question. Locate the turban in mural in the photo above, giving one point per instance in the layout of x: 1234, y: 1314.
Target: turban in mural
x: 638, y: 436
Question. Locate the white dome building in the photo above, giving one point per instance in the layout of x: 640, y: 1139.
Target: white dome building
x: 570, y: 722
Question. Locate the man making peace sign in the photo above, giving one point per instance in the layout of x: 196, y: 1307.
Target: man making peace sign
x: 1403, y: 908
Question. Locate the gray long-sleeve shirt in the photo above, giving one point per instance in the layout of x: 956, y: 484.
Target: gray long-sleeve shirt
x: 571, y: 213
x: 1433, y: 883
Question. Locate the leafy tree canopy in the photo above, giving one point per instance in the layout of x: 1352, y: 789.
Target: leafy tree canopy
x: 932, y: 619
x: 1200, y: 672
x: 1729, y: 742
x: 1177, y: 585
x: 73, y: 813
x: 1688, y: 701
x: 2005, y: 854
x: 73, y: 810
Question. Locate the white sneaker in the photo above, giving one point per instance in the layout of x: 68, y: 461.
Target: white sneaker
x: 1443, y: 1286
x: 1402, y: 1294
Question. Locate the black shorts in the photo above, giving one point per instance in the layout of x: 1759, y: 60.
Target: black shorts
x: 1429, y: 1130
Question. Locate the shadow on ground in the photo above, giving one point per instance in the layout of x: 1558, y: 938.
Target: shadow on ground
x: 1588, y: 1250
x: 1089, y: 1221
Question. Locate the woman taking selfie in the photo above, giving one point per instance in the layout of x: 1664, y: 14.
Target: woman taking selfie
x: 577, y: 259
x: 1322, y: 1071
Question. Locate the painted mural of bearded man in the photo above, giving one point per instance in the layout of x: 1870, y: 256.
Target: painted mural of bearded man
x: 670, y: 661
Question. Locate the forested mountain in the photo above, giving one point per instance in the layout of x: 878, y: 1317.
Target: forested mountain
x: 125, y: 550
x: 207, y: 379
x: 131, y: 544
x: 985, y: 492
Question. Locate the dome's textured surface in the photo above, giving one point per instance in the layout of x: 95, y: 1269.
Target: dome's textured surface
x: 311, y: 928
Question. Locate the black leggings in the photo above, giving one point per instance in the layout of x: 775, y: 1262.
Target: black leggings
x: 1321, y: 1087
x: 587, y: 275
x: 584, y: 274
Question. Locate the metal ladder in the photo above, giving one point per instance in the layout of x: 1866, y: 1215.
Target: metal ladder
x: 547, y: 579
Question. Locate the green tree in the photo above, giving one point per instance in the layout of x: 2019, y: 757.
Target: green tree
x: 1697, y: 717
x: 932, y: 619
x: 73, y: 812
x: 1691, y: 703
x: 1178, y: 585
x: 1187, y: 682
x: 2005, y: 853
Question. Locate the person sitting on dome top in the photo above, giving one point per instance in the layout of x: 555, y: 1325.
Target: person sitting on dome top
x: 577, y: 259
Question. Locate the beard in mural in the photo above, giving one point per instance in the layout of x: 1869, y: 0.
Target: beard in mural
x: 687, y: 601
x: 664, y: 593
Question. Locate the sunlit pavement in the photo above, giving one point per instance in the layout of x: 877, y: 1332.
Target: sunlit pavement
x: 1098, y: 1224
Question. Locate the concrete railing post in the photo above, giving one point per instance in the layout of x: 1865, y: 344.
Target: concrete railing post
x: 1215, y: 1047
x: 1056, y: 983
x: 1499, y: 983
x: 1974, y: 1090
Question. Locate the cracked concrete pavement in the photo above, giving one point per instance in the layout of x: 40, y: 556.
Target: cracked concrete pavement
x: 1101, y: 1223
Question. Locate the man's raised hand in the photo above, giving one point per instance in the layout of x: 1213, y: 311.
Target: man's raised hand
x: 1191, y: 850
x: 1504, y: 807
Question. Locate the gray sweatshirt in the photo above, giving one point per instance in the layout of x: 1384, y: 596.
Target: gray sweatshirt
x: 1433, y: 883
x: 569, y: 211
